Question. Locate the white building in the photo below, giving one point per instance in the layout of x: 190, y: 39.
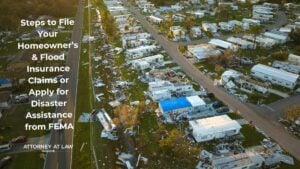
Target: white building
x: 295, y: 59
x: 177, y: 33
x: 211, y: 2
x: 214, y: 128
x: 148, y: 62
x: 223, y: 45
x: 198, y: 13
x: 127, y: 29
x: 287, y: 66
x: 243, y: 44
x: 262, y: 10
x: 286, y: 29
x: 135, y: 43
x: 155, y: 19
x: 196, y: 31
x: 210, y: 27
x: 226, y: 26
x: 178, y: 17
x: 136, y: 36
x: 112, y: 2
x: 141, y: 51
x: 229, y: 75
x: 177, y: 7
x: 203, y: 51
x: 162, y: 90
x: 281, y: 38
x: 121, y: 19
x: 172, y: 108
x: 251, y: 21
x: 117, y: 10
x: 275, y: 76
x: 262, y: 41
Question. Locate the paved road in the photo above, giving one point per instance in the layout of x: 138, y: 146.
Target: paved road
x: 62, y: 159
x: 271, y: 128
x: 278, y: 108
x: 281, y: 20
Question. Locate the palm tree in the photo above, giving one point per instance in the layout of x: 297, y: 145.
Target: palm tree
x: 237, y: 29
x: 255, y: 30
x: 180, y: 34
x: 188, y: 23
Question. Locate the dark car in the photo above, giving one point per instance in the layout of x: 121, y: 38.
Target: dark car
x: 20, y: 139
x: 217, y: 104
x: 223, y: 110
x: 5, y: 161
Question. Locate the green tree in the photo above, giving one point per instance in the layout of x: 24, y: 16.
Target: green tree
x: 255, y: 30
x: 238, y: 29
x: 167, y: 24
x: 178, y: 145
x: 292, y: 113
x: 188, y: 23
x: 280, y: 55
x: 295, y: 36
x: 182, y: 48
x: 224, y: 13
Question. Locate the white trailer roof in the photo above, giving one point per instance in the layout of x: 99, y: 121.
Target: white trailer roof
x: 213, y: 125
x: 155, y: 18
x: 222, y: 44
x: 275, y: 36
x: 239, y: 41
x: 196, y: 101
x: 281, y: 74
x: 106, y: 121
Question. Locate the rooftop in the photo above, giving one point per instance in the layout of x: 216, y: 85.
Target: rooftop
x: 181, y: 102
x: 291, y: 77
x: 4, y: 81
x: 214, y: 124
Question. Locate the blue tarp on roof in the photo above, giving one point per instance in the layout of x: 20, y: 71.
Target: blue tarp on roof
x: 173, y: 104
x: 4, y: 81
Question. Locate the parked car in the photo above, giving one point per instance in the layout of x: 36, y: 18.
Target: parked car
x: 223, y: 110
x: 217, y: 104
x: 5, y: 147
x: 20, y: 139
x: 22, y: 98
x: 5, y: 161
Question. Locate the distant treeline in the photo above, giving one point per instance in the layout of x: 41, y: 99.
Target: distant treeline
x: 12, y: 11
x: 282, y: 1
x: 164, y: 2
x: 171, y: 2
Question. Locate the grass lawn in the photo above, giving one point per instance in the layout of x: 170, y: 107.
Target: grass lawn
x: 234, y: 116
x: 82, y: 130
x: 159, y: 158
x: 82, y: 157
x: 170, y: 65
x: 252, y: 136
x: 263, y: 99
x: 15, y: 120
x: 205, y: 66
x: 32, y: 160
